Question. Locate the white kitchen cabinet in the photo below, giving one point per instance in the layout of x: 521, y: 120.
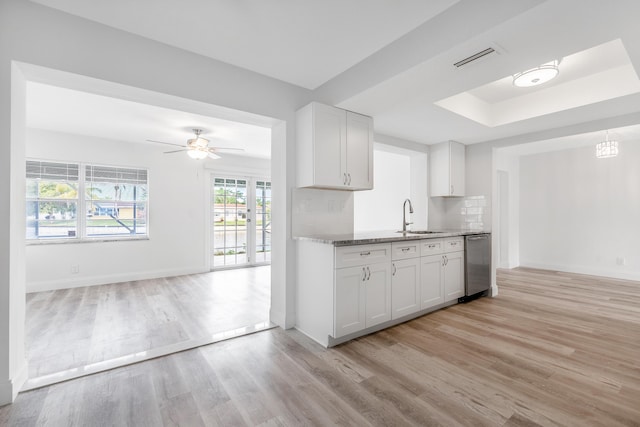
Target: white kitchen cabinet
x: 405, y: 287
x: 347, y: 291
x: 446, y: 169
x: 362, y: 296
x: 453, y: 273
x: 431, y: 281
x: 377, y: 288
x: 405, y: 278
x: 349, y: 300
x: 334, y: 148
x: 442, y: 274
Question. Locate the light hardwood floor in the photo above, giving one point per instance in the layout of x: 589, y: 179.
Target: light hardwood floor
x: 552, y: 349
x: 72, y: 328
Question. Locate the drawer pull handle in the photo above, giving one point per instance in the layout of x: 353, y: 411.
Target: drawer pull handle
x: 432, y: 246
x: 405, y: 249
x: 365, y: 253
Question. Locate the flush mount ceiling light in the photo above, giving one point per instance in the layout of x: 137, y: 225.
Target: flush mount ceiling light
x: 607, y: 148
x: 537, y: 76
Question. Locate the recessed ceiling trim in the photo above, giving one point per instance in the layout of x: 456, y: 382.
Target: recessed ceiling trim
x: 474, y: 57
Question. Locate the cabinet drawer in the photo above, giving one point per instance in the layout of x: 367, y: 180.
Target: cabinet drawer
x: 404, y: 250
x: 454, y: 244
x: 351, y: 256
x: 431, y: 247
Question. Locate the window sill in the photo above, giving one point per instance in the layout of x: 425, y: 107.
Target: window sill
x: 54, y: 241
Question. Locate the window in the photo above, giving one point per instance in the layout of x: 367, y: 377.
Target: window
x: 115, y: 201
x: 52, y: 200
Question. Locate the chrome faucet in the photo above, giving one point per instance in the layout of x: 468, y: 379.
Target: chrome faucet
x: 404, y: 215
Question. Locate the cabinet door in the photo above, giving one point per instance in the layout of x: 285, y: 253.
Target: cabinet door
x: 330, y: 156
x: 405, y: 287
x: 432, y: 281
x: 378, y: 294
x: 439, y: 170
x: 457, y: 165
x: 453, y: 276
x: 447, y: 165
x: 359, y: 150
x: 349, y: 304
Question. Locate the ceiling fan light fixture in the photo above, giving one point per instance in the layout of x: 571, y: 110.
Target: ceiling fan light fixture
x: 197, y: 153
x: 198, y: 142
x: 607, y: 148
x: 538, y: 75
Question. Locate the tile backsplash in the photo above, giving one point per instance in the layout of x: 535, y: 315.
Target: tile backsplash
x: 460, y: 213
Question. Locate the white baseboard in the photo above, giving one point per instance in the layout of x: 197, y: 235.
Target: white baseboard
x: 581, y: 269
x: 9, y: 389
x: 53, y: 285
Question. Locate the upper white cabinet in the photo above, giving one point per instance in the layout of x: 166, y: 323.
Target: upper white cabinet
x: 334, y: 148
x: 446, y: 169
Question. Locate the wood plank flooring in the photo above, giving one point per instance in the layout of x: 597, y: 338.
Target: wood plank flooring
x: 553, y: 349
x: 72, y: 328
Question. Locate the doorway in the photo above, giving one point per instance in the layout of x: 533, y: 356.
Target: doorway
x: 241, y: 222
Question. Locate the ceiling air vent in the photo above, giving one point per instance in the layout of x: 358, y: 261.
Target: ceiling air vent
x: 474, y: 57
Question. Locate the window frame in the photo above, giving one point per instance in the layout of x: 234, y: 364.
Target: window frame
x: 82, y: 204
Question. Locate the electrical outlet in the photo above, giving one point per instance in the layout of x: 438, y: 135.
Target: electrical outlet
x: 75, y: 269
x: 621, y: 261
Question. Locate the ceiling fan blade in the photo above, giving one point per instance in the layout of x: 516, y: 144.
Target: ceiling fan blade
x: 176, y: 151
x: 227, y: 148
x: 213, y: 156
x: 167, y: 143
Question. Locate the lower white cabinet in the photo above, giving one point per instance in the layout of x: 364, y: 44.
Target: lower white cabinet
x: 453, y: 275
x: 373, y: 284
x: 405, y: 287
x: 431, y: 281
x: 442, y: 275
x: 362, y: 295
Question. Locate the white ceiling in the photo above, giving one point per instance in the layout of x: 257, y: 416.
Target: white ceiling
x: 304, y: 42
x: 65, y: 110
x: 394, y: 60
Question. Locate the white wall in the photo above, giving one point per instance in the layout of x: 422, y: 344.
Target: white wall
x: 381, y: 208
x: 579, y: 213
x: 178, y: 194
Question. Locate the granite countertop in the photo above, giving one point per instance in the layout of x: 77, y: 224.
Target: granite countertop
x: 382, y: 237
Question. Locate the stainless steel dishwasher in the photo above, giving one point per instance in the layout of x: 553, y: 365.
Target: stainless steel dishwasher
x: 477, y: 259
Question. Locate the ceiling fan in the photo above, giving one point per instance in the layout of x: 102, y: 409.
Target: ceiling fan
x: 198, y: 147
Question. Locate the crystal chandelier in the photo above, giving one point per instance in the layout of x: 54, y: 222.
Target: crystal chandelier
x: 607, y: 148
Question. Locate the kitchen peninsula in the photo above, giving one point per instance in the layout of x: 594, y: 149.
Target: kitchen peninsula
x: 355, y: 284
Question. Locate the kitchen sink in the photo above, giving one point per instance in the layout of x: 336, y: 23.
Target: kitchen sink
x: 419, y: 232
